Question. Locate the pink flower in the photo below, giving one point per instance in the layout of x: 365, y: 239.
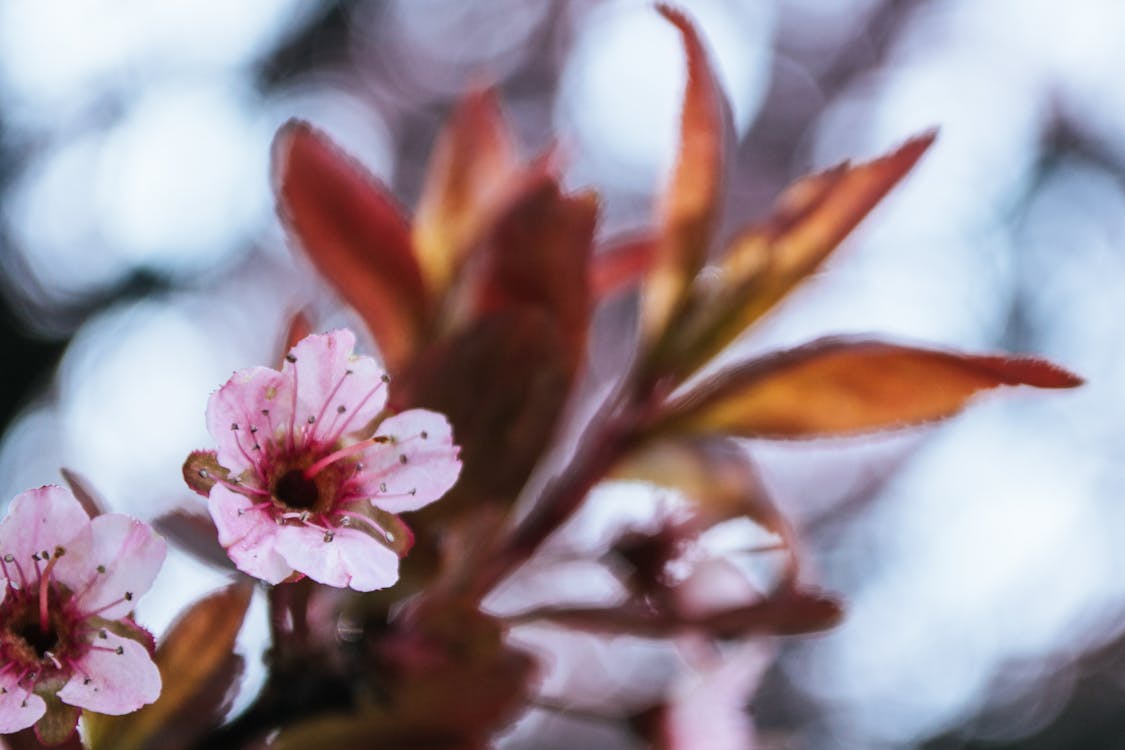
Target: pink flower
x: 70, y: 584
x: 310, y: 489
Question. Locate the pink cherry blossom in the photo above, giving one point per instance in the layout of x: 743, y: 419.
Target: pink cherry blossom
x: 69, y: 585
x: 311, y: 484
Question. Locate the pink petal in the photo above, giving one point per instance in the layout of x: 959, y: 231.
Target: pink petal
x: 128, y: 551
x: 249, y: 535
x: 19, y: 708
x: 351, y: 559
x: 39, y: 520
x: 236, y: 420
x: 418, y: 467
x: 110, y: 682
x: 330, y: 377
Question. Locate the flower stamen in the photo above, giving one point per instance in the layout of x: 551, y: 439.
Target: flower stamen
x: 44, y: 580
x: 350, y: 450
x: 338, y: 431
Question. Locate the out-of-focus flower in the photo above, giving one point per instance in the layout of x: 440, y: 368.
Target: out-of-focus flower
x: 301, y: 483
x: 707, y: 705
x: 65, y: 628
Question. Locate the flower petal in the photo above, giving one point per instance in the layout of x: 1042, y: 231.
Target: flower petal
x: 39, y: 520
x: 337, y: 391
x: 19, y: 708
x: 251, y: 408
x: 116, y: 676
x: 417, y: 467
x: 112, y: 564
x: 352, y: 558
x: 248, y: 535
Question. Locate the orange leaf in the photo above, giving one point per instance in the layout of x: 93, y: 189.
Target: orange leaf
x: 811, y: 218
x: 841, y: 386
x: 474, y: 161
x: 769, y: 260
x: 690, y: 204
x: 787, y: 612
x: 197, y: 663
x: 354, y: 234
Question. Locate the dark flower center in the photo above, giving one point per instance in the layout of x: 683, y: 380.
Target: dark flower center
x: 296, y: 490
x: 39, y: 640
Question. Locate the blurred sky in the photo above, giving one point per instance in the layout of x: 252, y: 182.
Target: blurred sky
x: 141, y: 263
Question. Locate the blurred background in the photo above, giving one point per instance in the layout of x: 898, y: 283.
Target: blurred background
x: 141, y: 263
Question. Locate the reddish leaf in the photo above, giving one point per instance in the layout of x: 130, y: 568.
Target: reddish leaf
x: 690, y: 204
x: 354, y: 234
x: 840, y: 386
x: 537, y: 256
x: 787, y: 612
x: 620, y: 265
x: 473, y: 163
x: 765, y: 263
x: 198, y: 666
x: 511, y: 381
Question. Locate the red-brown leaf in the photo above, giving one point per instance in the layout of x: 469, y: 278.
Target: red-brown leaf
x: 787, y: 612
x: 690, y: 203
x: 538, y: 256
x: 510, y: 379
x: 808, y: 222
x: 473, y: 163
x: 354, y: 234
x: 841, y: 386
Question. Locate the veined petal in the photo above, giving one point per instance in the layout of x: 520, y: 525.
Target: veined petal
x: 248, y: 410
x: 417, y: 467
x: 337, y: 391
x: 341, y: 557
x: 112, y: 564
x: 115, y: 676
x: 248, y: 535
x: 19, y: 708
x: 39, y: 520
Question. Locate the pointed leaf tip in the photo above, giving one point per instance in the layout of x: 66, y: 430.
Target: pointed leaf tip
x: 842, y: 386
x: 355, y: 234
x: 689, y: 205
x: 766, y: 261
